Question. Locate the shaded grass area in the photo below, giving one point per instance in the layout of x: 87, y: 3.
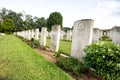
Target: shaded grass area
x: 65, y: 46
x: 20, y: 62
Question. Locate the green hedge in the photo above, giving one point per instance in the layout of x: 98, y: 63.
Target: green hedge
x: 105, y: 59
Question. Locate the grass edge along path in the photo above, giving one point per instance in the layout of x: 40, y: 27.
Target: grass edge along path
x: 20, y: 62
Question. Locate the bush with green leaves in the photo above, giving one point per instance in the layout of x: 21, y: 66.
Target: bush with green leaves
x: 105, y: 59
x: 71, y: 64
x: 34, y: 43
x: 105, y: 38
x: 7, y: 26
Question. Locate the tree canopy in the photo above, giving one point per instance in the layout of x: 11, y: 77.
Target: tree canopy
x: 55, y: 18
x: 7, y: 26
x: 21, y: 20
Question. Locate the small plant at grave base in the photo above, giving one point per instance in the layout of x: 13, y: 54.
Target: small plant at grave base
x: 71, y: 64
x: 48, y: 37
x: 32, y: 39
x: 34, y: 43
x: 42, y: 47
x: 57, y: 54
x: 105, y: 59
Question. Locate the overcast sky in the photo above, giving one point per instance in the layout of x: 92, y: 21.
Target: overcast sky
x: 105, y: 13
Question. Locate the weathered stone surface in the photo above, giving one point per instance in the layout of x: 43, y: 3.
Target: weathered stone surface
x: 61, y: 35
x: 69, y: 35
x: 36, y: 34
x: 32, y: 33
x: 47, y: 34
x: 55, y: 38
x: 95, y: 36
x: 82, y: 36
x: 115, y: 35
x: 29, y: 35
x: 43, y: 36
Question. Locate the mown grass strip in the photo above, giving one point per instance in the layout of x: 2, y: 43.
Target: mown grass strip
x: 20, y: 62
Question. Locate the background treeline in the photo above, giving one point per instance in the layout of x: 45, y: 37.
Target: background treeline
x: 21, y: 21
x: 12, y: 21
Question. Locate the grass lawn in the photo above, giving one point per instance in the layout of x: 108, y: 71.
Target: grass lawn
x: 65, y: 46
x: 105, y: 42
x: 20, y: 62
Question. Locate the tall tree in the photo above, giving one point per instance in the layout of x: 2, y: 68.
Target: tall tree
x: 55, y: 18
x: 7, y: 26
x: 4, y: 12
x: 40, y: 22
x: 16, y: 17
x: 29, y: 22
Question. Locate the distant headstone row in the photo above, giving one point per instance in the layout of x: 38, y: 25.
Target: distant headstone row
x: 113, y: 34
x: 82, y: 35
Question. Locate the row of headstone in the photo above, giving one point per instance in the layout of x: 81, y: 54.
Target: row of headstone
x: 82, y: 36
x: 29, y: 34
x: 114, y: 34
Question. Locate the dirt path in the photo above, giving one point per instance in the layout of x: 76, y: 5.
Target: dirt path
x: 46, y: 54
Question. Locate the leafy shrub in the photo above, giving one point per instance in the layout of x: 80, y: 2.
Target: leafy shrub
x: 57, y: 54
x: 7, y: 26
x: 71, y: 64
x: 34, y: 43
x: 105, y: 59
x: 105, y: 38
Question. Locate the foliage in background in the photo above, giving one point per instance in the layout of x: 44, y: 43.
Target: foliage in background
x: 7, y: 26
x: 55, y: 18
x: 23, y: 21
x: 105, y: 59
x: 29, y: 22
x: 66, y: 28
x: 40, y: 22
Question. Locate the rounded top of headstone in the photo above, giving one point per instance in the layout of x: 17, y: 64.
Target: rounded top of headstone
x: 56, y: 27
x: 85, y: 20
x: 96, y: 29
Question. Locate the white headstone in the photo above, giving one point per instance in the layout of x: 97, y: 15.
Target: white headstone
x: 69, y: 35
x: 82, y: 36
x: 32, y: 33
x: 100, y: 34
x: 36, y: 34
x: 61, y: 35
x: 43, y: 36
x: 55, y: 38
x: 46, y: 33
x: 29, y: 35
x: 95, y: 37
x: 116, y: 35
